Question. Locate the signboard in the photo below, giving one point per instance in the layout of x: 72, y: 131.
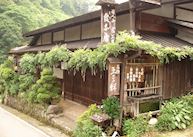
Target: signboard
x: 58, y: 73
x: 135, y: 74
x: 114, y: 79
x: 109, y: 24
x: 64, y: 66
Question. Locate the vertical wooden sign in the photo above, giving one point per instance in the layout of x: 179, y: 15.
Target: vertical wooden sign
x: 114, y: 79
x: 108, y: 20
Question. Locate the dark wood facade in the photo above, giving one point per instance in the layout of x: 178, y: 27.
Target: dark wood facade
x: 175, y: 78
x: 86, y: 90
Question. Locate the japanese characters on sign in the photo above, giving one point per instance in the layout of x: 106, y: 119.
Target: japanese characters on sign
x: 114, y: 79
x: 109, y: 24
x: 135, y: 74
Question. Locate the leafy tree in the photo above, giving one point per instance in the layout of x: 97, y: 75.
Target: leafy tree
x: 20, y: 16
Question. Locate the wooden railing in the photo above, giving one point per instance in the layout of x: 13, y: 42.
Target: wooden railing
x: 144, y: 91
x: 140, y: 95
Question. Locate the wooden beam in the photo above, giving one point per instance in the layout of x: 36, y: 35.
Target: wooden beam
x: 143, y: 64
x: 184, y: 8
x: 182, y: 2
x: 147, y: 88
x: 177, y: 1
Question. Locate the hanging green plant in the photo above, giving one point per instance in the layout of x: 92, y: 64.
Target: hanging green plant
x: 82, y: 59
x: 56, y: 55
x: 28, y: 63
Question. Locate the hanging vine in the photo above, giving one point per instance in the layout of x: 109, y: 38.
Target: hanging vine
x: 82, y: 59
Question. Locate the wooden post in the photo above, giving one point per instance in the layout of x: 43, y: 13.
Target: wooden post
x: 63, y: 85
x: 122, y: 90
x: 131, y: 17
x: 108, y: 20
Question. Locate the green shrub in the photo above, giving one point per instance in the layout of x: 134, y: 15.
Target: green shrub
x: 9, y: 78
x: 111, y: 106
x: 85, y: 127
x: 26, y: 81
x: 28, y: 63
x: 43, y: 98
x: 176, y: 114
x: 45, y: 90
x: 31, y: 97
x: 2, y: 87
x: 92, y: 109
x: 136, y: 127
x: 188, y: 99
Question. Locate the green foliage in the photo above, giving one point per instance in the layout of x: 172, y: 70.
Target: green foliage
x: 83, y: 59
x: 111, y: 106
x: 28, y: 63
x: 176, y: 114
x: 85, y: 127
x: 2, y: 87
x: 79, y: 60
x: 26, y: 81
x: 45, y: 90
x: 56, y: 55
x: 9, y: 78
x: 20, y: 16
x: 136, y: 127
x: 92, y: 109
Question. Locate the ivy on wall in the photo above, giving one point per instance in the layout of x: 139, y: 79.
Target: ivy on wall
x: 82, y: 59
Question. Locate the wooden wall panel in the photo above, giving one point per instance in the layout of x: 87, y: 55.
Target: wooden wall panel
x: 166, y: 10
x: 177, y: 78
x: 39, y: 41
x: 123, y: 22
x: 72, y: 33
x: 47, y: 38
x: 91, y: 30
x: 92, y: 90
x: 147, y: 22
x: 58, y: 36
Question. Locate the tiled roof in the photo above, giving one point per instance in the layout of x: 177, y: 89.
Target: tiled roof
x: 92, y: 43
x: 164, y: 40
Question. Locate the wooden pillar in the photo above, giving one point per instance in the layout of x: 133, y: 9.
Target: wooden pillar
x: 122, y: 90
x: 132, y: 28
x: 63, y: 67
x: 108, y: 20
x: 63, y: 85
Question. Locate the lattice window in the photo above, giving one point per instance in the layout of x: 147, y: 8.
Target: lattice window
x: 142, y: 78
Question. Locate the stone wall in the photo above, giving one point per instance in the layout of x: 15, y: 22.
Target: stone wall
x: 34, y: 110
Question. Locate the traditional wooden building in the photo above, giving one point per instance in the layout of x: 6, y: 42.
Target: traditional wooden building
x: 136, y: 76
